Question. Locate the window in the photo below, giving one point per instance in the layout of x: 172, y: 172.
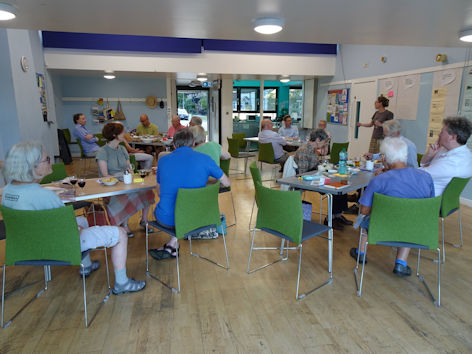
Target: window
x: 192, y: 102
x: 249, y: 99
x: 295, y: 105
x: 235, y: 100
x: 269, y: 100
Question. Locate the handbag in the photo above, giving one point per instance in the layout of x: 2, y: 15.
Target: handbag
x: 119, y: 114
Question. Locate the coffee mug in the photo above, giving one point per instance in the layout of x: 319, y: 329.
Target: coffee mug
x: 128, y: 178
x: 369, y: 165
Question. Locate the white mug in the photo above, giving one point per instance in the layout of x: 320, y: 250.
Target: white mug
x: 369, y: 164
x: 128, y: 178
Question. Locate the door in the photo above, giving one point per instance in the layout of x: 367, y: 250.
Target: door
x: 362, y: 105
x: 192, y: 102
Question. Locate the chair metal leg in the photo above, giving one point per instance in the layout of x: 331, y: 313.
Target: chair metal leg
x: 443, y: 248
x: 208, y: 259
x: 359, y: 283
x: 234, y: 211
x: 437, y: 302
x: 252, y: 211
x: 460, y: 232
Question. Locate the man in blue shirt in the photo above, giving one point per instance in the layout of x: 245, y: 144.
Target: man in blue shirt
x: 183, y: 168
x: 88, y: 141
x: 287, y: 130
x: 267, y: 135
x: 397, y: 181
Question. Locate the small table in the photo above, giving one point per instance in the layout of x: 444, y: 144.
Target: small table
x: 255, y: 139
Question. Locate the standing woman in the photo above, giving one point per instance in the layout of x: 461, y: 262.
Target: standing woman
x: 380, y: 116
x: 112, y: 160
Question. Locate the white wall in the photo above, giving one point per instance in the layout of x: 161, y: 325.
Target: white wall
x: 226, y: 111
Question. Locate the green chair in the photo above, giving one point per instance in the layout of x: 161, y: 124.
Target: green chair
x: 335, y: 150
x: 394, y: 223
x: 33, y: 240
x: 240, y: 138
x: 280, y: 214
x: 68, y: 136
x: 101, y: 140
x: 419, y: 157
x: 266, y: 155
x: 224, y: 165
x: 58, y: 173
x: 256, y: 178
x: 233, y: 149
x: 196, y: 210
x: 449, y: 204
x: 83, y: 158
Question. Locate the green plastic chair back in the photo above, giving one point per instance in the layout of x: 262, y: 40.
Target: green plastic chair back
x: 101, y: 140
x: 224, y: 165
x: 451, y: 196
x: 233, y: 147
x: 240, y: 138
x: 67, y: 135
x: 82, y: 155
x: 280, y: 211
x: 404, y: 220
x: 266, y: 153
x: 58, y: 173
x: 50, y: 234
x: 132, y: 161
x: 255, y: 173
x: 196, y: 208
x: 335, y: 150
x: 419, y: 157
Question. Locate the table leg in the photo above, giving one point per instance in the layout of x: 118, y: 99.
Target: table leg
x: 330, y: 224
x: 248, y: 145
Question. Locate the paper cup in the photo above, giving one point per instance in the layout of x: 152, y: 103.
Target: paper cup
x: 369, y: 165
x: 128, y: 178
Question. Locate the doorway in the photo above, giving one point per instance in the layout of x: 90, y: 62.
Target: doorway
x: 193, y: 102
x: 363, y: 97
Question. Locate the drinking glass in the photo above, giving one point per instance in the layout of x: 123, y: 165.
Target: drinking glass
x: 143, y: 174
x: 81, y: 184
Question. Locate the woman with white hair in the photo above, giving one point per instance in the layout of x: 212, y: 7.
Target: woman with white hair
x: 212, y: 149
x: 25, y: 165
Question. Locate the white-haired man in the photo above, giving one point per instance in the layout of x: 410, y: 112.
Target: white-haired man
x: 397, y: 181
x: 267, y: 135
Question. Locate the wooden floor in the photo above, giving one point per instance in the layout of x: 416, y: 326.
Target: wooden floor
x: 221, y: 311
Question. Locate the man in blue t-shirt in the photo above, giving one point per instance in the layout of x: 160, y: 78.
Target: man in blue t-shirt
x: 183, y: 168
x: 398, y: 181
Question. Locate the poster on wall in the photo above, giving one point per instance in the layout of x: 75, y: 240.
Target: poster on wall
x: 337, y: 107
x: 389, y: 89
x: 42, y: 95
x: 466, y: 107
x: 407, y: 97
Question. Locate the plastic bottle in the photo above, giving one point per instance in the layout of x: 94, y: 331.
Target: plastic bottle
x: 342, y: 162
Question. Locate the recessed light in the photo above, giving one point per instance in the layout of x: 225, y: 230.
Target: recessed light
x: 202, y: 77
x: 268, y: 25
x: 7, y: 12
x: 466, y: 35
x: 284, y: 79
x: 109, y: 75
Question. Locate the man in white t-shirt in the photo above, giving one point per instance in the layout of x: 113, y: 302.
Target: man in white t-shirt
x: 449, y: 157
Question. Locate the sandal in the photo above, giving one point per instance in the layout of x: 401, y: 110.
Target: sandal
x: 164, y: 252
x: 131, y: 286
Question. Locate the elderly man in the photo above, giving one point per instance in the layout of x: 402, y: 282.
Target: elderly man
x: 449, y: 157
x: 393, y: 129
x: 146, y: 127
x: 183, y: 168
x: 195, y: 121
x: 398, y: 181
x: 87, y: 140
x: 306, y: 158
x: 322, y: 125
x: 175, y: 127
x: 267, y: 135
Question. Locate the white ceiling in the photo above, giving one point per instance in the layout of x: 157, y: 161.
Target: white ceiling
x: 377, y: 22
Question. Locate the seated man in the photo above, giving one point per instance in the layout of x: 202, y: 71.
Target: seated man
x: 393, y: 129
x: 140, y: 155
x: 450, y: 157
x: 267, y: 135
x: 25, y: 165
x: 146, y: 127
x: 398, y: 181
x: 322, y: 125
x: 210, y: 148
x: 307, y: 158
x: 289, y: 132
x: 195, y: 121
x: 183, y: 168
x: 175, y: 127
x: 87, y: 140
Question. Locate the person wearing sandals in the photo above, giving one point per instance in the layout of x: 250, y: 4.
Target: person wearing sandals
x: 113, y: 159
x: 183, y: 168
x: 25, y: 165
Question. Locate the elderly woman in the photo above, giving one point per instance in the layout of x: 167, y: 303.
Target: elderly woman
x: 212, y: 149
x: 113, y: 159
x: 25, y: 165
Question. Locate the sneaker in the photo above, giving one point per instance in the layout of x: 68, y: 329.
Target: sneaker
x: 131, y: 286
x: 353, y: 253
x: 336, y: 224
x: 401, y: 270
x: 344, y: 221
x: 354, y: 209
x: 89, y: 270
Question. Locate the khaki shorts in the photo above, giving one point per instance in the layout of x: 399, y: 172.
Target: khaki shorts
x: 97, y: 236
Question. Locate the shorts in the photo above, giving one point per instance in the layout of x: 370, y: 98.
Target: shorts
x: 97, y: 236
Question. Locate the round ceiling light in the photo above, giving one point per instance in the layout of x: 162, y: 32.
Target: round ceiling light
x: 268, y: 25
x: 109, y: 75
x: 466, y: 35
x: 7, y: 12
x: 202, y: 77
x: 284, y: 79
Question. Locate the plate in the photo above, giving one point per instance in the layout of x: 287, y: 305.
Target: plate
x: 332, y: 171
x: 310, y: 177
x: 354, y: 170
x: 109, y: 181
x: 57, y: 190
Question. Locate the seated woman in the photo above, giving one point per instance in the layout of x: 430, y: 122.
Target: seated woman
x: 25, y: 165
x: 113, y: 159
x: 212, y: 149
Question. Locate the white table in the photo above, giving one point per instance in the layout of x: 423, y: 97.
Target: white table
x: 255, y: 139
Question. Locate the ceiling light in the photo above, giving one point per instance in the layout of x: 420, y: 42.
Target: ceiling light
x: 284, y: 78
x: 268, y: 25
x: 202, y: 77
x: 466, y: 35
x: 7, y: 12
x: 109, y: 75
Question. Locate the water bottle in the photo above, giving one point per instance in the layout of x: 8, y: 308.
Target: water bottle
x: 342, y: 162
